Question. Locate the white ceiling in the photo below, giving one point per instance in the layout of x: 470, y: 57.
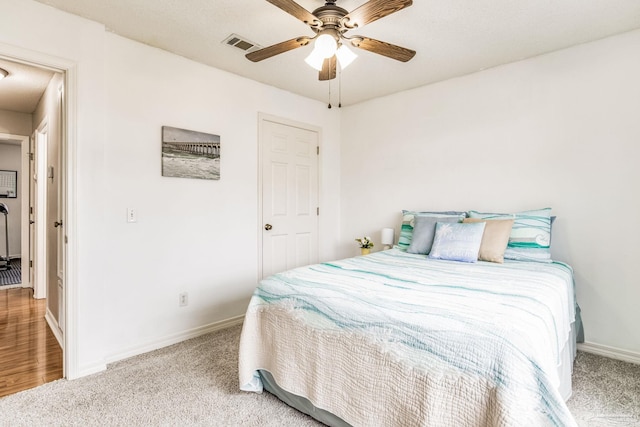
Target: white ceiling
x: 451, y: 37
x: 23, y: 87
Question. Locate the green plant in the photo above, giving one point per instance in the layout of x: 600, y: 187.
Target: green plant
x: 365, y: 242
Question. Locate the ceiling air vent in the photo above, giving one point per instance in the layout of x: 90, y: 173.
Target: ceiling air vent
x: 241, y: 43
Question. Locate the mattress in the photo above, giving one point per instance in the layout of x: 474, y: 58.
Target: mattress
x: 397, y: 339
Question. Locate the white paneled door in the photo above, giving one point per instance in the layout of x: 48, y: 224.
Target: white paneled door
x: 289, y: 160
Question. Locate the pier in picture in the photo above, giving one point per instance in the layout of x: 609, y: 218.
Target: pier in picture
x: 190, y: 154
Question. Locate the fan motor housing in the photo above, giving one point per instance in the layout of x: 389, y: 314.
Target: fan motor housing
x: 331, y: 17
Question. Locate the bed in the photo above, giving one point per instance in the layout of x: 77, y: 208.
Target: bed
x: 399, y: 339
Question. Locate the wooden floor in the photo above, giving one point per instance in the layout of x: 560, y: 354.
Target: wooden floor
x: 29, y: 352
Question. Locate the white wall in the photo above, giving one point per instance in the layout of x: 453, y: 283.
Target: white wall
x: 11, y: 159
x: 559, y: 130
x: 15, y: 123
x: 192, y: 235
x: 57, y: 37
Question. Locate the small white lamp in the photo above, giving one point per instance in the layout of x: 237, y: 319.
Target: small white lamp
x: 387, y: 237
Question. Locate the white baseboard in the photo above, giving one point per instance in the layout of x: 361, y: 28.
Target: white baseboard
x: 90, y: 369
x: 175, y: 338
x: 610, y: 352
x: 55, y: 328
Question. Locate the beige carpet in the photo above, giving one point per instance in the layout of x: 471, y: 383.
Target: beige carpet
x: 606, y: 392
x: 195, y: 383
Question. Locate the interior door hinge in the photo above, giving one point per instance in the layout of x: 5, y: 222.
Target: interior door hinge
x: 30, y: 263
x: 30, y: 156
x: 317, y: 149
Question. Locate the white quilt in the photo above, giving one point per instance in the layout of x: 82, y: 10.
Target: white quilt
x: 395, y: 339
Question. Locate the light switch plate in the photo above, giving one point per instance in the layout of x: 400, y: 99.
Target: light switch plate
x: 132, y: 215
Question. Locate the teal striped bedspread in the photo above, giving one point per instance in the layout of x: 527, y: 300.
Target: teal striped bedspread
x: 396, y: 339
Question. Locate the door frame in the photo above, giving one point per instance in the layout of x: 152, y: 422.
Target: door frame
x: 24, y: 221
x: 68, y: 183
x: 264, y: 117
x: 40, y: 148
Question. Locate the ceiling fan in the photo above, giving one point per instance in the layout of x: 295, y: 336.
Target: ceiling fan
x: 330, y: 23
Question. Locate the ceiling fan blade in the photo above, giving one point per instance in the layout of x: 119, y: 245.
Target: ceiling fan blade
x: 328, y: 71
x: 293, y: 8
x: 383, y: 48
x: 373, y: 10
x: 276, y: 49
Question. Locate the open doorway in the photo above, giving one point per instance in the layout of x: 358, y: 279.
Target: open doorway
x: 14, y: 201
x: 32, y: 108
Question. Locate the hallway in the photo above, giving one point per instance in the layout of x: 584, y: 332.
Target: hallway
x: 29, y: 352
x: 12, y: 277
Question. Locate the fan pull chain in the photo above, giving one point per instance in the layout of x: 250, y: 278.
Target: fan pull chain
x: 329, y: 82
x: 340, y: 89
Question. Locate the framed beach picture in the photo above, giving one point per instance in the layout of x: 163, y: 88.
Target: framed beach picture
x: 190, y: 154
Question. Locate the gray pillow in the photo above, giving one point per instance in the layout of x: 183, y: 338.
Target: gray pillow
x: 424, y: 229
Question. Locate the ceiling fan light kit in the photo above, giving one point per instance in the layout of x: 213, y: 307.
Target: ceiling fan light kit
x: 345, y: 56
x: 315, y: 60
x: 325, y: 47
x: 3, y: 73
x: 326, y: 44
x: 330, y: 23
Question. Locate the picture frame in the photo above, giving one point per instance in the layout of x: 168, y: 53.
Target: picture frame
x: 8, y: 184
x: 190, y: 154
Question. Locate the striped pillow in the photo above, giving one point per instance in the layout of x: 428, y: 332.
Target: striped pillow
x: 530, y: 237
x: 406, y: 228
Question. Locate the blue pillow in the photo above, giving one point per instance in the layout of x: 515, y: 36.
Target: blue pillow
x: 424, y: 229
x: 530, y: 237
x: 457, y: 241
x: 406, y: 228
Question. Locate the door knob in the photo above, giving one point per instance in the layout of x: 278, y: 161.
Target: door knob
x: 57, y: 224
x: 268, y: 227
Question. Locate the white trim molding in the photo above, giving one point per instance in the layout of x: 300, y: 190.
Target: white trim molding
x: 55, y: 328
x: 175, y: 338
x: 610, y: 352
x: 90, y: 369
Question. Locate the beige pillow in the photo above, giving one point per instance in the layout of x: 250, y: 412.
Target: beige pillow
x: 495, y: 238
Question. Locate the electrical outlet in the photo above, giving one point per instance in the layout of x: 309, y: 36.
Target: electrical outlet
x: 184, y: 299
x: 132, y: 215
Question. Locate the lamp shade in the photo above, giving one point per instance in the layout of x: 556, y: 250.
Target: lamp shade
x: 326, y: 45
x: 387, y: 236
x: 315, y: 60
x: 345, y: 56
